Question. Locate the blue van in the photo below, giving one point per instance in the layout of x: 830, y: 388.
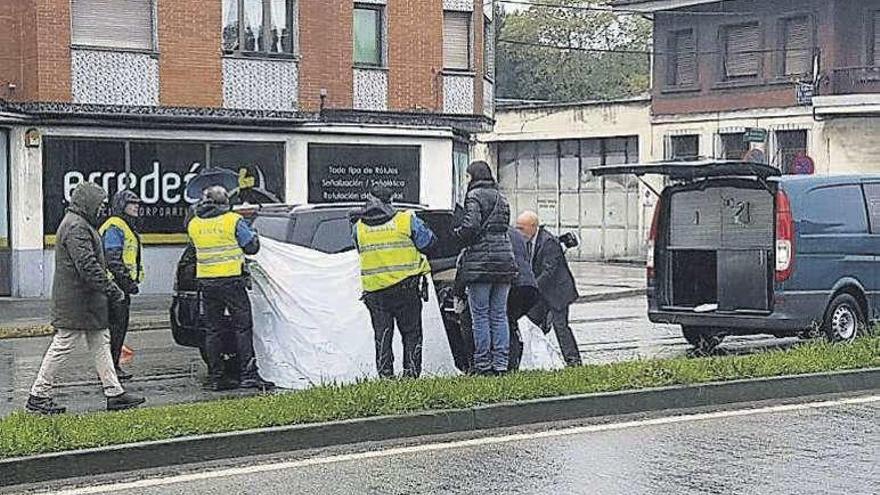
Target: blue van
x: 735, y: 249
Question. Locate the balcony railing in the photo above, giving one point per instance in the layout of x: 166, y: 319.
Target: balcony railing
x: 852, y: 80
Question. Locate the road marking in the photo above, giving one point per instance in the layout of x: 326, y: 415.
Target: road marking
x: 434, y: 447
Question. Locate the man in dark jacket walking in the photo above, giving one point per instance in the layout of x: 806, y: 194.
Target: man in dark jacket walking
x: 393, y: 269
x: 80, y: 294
x: 222, y: 238
x: 556, y: 285
x: 122, y: 248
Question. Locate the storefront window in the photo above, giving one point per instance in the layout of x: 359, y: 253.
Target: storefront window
x: 5, y: 254
x: 733, y: 146
x: 460, y: 161
x: 4, y: 191
x: 789, y: 144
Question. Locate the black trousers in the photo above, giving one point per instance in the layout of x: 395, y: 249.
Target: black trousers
x: 230, y: 295
x: 546, y: 317
x: 402, y: 305
x: 120, y: 313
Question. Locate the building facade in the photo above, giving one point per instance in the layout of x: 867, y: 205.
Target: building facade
x: 795, y: 80
x: 544, y: 153
x: 308, y: 100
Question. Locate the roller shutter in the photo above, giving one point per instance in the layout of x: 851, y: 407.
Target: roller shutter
x: 457, y: 40
x: 742, y: 44
x: 126, y: 24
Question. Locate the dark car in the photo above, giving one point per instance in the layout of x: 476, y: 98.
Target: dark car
x: 735, y: 248
x: 325, y: 228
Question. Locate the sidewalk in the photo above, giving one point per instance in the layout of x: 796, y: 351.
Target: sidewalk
x: 31, y: 317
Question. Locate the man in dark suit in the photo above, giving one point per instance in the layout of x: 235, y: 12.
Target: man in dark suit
x: 556, y: 284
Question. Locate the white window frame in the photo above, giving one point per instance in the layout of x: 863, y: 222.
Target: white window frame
x: 293, y: 24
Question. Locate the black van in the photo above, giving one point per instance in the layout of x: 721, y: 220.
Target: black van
x: 735, y: 248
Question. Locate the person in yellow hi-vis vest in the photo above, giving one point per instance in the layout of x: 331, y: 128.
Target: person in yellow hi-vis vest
x: 123, y: 251
x: 222, y: 238
x: 393, y: 271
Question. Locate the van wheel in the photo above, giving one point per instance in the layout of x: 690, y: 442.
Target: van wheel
x: 704, y: 340
x: 844, y: 320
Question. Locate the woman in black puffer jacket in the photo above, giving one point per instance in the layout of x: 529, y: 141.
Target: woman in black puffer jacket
x: 487, y: 268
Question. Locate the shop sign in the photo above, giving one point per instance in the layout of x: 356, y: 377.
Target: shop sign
x: 158, y: 171
x: 755, y: 135
x: 344, y: 173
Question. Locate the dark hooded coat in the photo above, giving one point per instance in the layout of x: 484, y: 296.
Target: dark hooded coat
x: 488, y: 254
x: 82, y: 287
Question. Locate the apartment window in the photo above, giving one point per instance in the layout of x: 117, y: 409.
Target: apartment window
x: 457, y: 40
x: 874, y: 39
x: 796, y: 37
x: 789, y: 144
x: 261, y: 27
x: 733, y: 146
x: 489, y: 48
x: 682, y: 61
x: 684, y: 147
x: 740, y: 47
x: 120, y: 24
x: 368, y: 35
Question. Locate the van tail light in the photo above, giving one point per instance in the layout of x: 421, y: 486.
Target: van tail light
x: 784, y: 238
x: 652, y: 241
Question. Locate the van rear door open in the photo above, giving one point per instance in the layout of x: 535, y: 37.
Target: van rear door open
x: 715, y: 237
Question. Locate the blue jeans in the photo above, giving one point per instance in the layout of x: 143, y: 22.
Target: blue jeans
x: 488, y: 304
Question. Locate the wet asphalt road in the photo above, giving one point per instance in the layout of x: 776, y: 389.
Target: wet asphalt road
x: 834, y: 449
x: 167, y: 373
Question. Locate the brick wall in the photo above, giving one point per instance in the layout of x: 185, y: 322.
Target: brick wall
x: 415, y: 53
x: 327, y: 53
x: 10, y: 49
x: 190, y: 64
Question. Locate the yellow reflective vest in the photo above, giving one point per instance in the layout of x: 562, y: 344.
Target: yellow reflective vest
x: 218, y: 254
x: 132, y: 252
x: 388, y: 254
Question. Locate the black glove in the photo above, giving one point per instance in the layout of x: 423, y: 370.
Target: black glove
x: 423, y: 288
x: 134, y: 289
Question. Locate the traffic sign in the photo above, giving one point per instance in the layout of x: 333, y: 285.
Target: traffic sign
x: 803, y: 165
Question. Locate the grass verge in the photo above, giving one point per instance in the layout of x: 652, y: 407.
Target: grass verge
x: 22, y: 434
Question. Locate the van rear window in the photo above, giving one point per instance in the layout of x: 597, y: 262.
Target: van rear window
x: 836, y: 210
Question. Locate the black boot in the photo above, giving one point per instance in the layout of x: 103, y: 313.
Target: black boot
x: 257, y: 382
x: 123, y: 375
x: 124, y: 401
x: 44, y: 405
x: 223, y: 384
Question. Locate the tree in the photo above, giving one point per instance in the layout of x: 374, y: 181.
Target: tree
x: 618, y: 65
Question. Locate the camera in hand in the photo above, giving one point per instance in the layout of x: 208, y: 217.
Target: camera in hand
x: 569, y: 240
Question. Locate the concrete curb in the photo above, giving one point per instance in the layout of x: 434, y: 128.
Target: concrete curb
x: 145, y: 455
x: 611, y: 296
x: 45, y: 329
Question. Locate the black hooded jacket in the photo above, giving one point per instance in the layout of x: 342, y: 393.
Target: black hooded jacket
x: 488, y: 255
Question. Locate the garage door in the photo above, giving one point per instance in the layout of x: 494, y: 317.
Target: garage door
x: 553, y: 178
